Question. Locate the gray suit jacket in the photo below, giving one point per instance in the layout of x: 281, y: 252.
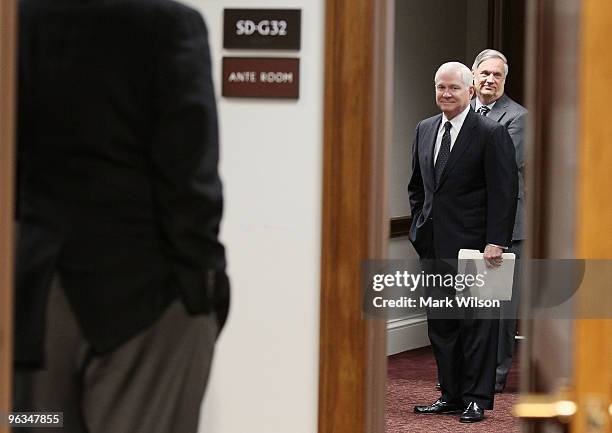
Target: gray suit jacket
x: 514, y: 116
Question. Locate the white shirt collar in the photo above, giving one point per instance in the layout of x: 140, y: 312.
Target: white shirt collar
x: 480, y: 104
x: 457, y: 121
x: 456, y: 124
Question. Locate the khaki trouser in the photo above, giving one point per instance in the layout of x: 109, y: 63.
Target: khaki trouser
x: 153, y: 383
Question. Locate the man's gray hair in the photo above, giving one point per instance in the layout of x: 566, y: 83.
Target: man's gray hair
x: 490, y: 54
x: 464, y: 71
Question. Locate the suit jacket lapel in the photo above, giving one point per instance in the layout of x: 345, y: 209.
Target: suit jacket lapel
x: 499, y: 110
x: 460, y: 146
x: 430, y: 145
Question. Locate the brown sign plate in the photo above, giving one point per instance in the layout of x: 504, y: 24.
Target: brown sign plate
x: 276, y: 29
x: 261, y: 77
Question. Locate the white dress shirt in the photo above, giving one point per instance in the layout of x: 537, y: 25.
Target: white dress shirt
x: 456, y: 124
x: 480, y: 104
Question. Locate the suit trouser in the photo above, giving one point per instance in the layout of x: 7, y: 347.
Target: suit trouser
x: 508, y: 321
x: 153, y: 383
x: 464, y: 345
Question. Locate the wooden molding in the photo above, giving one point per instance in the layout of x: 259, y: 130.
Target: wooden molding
x: 8, y: 36
x: 352, y: 366
x: 400, y: 226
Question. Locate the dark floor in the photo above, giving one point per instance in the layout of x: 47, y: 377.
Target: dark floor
x: 411, y: 380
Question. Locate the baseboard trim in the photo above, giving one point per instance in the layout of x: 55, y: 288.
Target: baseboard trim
x: 406, y: 334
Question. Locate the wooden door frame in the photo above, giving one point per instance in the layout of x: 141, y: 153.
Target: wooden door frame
x: 593, y: 347
x: 564, y: 87
x: 8, y: 37
x: 358, y: 82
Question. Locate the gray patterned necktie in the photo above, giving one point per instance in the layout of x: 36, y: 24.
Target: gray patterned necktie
x: 484, y: 110
x: 443, y: 153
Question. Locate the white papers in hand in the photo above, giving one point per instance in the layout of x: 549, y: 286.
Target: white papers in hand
x: 489, y: 283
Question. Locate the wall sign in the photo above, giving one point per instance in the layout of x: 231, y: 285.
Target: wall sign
x: 276, y: 29
x: 261, y: 77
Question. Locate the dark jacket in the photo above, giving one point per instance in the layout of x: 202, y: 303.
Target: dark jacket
x: 475, y: 202
x: 118, y: 149
x: 514, y: 118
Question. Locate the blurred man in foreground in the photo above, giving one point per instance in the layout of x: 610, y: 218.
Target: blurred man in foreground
x: 121, y: 285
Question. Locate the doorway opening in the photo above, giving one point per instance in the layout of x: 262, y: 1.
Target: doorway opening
x: 427, y: 34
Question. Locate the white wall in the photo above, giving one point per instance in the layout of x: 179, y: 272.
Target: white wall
x: 265, y: 372
x: 428, y: 33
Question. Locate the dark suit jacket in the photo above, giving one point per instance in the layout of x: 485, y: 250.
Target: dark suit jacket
x: 475, y: 201
x: 514, y: 117
x: 118, y: 151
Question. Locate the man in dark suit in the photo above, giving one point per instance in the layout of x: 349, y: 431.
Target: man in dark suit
x: 490, y: 71
x: 462, y: 195
x: 121, y: 287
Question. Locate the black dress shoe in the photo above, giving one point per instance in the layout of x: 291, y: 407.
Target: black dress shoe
x: 438, y: 408
x: 473, y: 413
